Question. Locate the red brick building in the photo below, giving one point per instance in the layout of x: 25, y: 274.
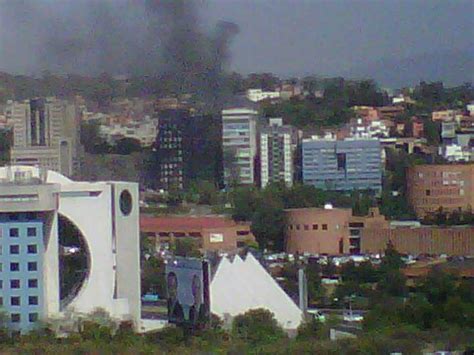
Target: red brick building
x: 213, y: 233
x: 331, y: 231
x: 431, y: 240
x: 449, y: 186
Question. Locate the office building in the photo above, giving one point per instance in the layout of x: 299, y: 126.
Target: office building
x: 45, y: 134
x: 240, y: 148
x: 37, y: 207
x: 449, y: 187
x: 187, y: 148
x: 278, y: 152
x: 343, y: 165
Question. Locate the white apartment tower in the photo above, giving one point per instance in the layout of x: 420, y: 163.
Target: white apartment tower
x: 239, y: 141
x: 45, y: 134
x: 278, y: 147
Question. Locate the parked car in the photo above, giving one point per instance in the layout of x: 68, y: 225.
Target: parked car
x: 353, y: 317
x: 150, y: 297
x: 317, y: 315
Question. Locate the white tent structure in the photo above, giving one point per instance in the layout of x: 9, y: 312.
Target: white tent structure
x: 240, y: 286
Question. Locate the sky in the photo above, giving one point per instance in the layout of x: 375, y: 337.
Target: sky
x: 297, y: 37
x: 286, y: 37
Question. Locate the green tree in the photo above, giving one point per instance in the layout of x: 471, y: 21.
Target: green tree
x: 186, y: 247
x: 257, y: 326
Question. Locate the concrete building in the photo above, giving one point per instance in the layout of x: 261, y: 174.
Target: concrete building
x: 36, y: 207
x: 431, y: 240
x: 143, y: 131
x: 256, y: 95
x: 448, y: 186
x: 278, y: 152
x: 212, y: 233
x: 240, y: 145
x: 445, y: 116
x: 343, y: 165
x: 328, y: 230
x: 45, y: 134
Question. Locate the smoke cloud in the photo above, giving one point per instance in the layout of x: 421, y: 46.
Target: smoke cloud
x: 130, y: 37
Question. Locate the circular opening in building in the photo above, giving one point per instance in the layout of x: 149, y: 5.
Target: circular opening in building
x: 74, y: 260
x: 125, y: 202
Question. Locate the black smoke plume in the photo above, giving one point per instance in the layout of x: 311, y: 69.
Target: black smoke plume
x: 161, y: 38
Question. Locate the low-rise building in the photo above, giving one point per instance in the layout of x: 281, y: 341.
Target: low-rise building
x: 212, y: 233
x: 145, y: 132
x: 446, y: 186
x: 445, y: 115
x: 328, y: 230
x: 256, y: 95
x: 432, y: 240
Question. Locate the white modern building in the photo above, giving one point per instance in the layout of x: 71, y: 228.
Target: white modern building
x: 239, y: 142
x: 278, y: 148
x: 45, y: 134
x: 241, y: 285
x: 143, y: 131
x: 256, y: 95
x: 40, y: 207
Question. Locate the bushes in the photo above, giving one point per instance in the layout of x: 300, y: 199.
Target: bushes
x: 257, y: 326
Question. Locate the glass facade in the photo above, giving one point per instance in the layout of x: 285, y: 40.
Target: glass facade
x: 21, y: 265
x: 343, y: 165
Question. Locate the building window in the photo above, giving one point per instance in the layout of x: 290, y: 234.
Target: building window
x: 32, y: 266
x: 33, y: 317
x: 14, y: 232
x: 428, y: 192
x: 1, y: 301
x: 31, y: 232
x: 325, y: 227
x: 14, y: 266
x: 33, y: 300
x: 15, y: 301
x: 341, y: 161
x: 315, y: 227
x: 32, y: 283
x: 32, y: 249
x: 14, y: 283
x: 297, y: 227
x: 1, y: 284
x: 15, y: 318
x: 14, y: 249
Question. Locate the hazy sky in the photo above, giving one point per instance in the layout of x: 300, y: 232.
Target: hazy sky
x: 294, y: 37
x: 287, y: 37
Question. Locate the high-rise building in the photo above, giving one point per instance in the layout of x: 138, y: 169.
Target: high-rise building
x: 278, y: 152
x: 343, y: 165
x: 45, y: 134
x: 187, y: 148
x: 39, y: 211
x: 240, y: 146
